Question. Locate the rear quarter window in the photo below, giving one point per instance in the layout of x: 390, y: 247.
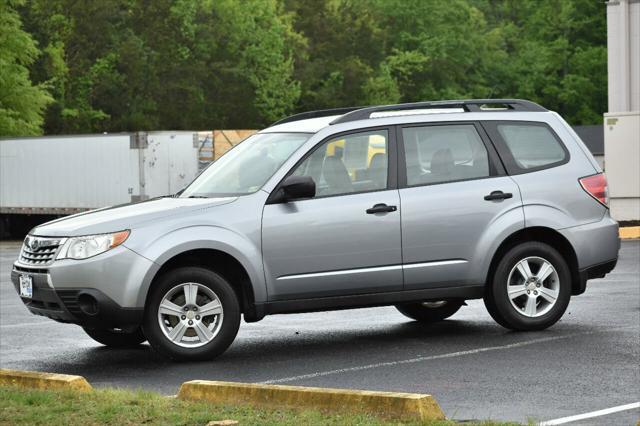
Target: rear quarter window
x: 526, y: 147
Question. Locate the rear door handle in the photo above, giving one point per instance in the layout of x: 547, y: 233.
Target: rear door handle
x: 498, y: 195
x: 381, y: 208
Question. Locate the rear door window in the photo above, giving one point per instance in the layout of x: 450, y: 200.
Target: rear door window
x: 444, y: 153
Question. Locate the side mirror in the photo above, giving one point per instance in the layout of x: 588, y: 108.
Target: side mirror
x: 296, y: 187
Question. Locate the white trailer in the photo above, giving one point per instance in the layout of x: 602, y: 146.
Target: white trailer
x: 60, y: 175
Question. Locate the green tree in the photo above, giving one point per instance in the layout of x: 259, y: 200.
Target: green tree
x: 127, y: 65
x: 344, y: 45
x: 78, y: 40
x: 437, y: 49
x: 22, y: 103
x: 253, y: 63
x: 555, y: 54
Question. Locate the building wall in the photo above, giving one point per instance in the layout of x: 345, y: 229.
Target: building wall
x: 623, y: 46
x: 622, y: 122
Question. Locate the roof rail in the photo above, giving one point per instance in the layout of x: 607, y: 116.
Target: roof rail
x: 316, y: 114
x: 471, y: 105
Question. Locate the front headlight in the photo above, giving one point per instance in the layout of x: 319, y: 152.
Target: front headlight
x: 91, y: 245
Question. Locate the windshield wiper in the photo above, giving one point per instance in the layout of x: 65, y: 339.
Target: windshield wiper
x: 197, y: 196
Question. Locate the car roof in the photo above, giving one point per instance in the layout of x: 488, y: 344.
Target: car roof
x: 309, y: 125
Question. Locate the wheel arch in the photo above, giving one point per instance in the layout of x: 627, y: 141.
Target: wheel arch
x: 544, y: 235
x: 220, y: 262
x: 214, y: 247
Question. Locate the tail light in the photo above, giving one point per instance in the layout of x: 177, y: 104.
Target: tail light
x: 596, y: 186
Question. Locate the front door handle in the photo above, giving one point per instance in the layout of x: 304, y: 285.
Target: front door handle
x: 498, y: 195
x: 381, y: 208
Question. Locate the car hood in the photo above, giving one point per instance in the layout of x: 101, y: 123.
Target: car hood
x: 126, y: 216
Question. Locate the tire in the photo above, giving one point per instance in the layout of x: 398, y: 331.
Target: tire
x: 429, y: 312
x: 116, y: 339
x: 534, y: 303
x: 179, y: 332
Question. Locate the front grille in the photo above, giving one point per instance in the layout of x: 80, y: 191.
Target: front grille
x: 31, y: 270
x: 70, y: 300
x: 51, y: 306
x: 39, y: 250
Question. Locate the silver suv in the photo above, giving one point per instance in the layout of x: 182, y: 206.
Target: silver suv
x: 421, y: 206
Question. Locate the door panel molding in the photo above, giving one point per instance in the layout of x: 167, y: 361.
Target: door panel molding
x: 373, y: 269
x: 434, y: 263
x: 341, y: 272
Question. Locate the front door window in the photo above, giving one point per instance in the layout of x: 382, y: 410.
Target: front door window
x: 350, y: 164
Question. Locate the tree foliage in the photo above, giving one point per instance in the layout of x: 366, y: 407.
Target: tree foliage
x: 125, y: 65
x: 21, y: 102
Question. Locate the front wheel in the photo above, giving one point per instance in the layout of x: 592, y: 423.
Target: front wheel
x: 429, y: 312
x: 192, y: 314
x: 116, y: 338
x: 530, y: 289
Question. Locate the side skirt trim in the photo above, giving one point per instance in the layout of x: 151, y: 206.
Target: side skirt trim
x: 368, y: 300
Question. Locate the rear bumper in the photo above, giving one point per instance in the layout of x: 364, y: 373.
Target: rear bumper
x: 593, y: 272
x: 594, y: 243
x: 596, y: 246
x: 599, y: 271
x: 87, y: 307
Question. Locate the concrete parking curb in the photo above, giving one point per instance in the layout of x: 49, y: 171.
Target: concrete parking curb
x: 38, y: 380
x: 629, y: 232
x: 405, y: 406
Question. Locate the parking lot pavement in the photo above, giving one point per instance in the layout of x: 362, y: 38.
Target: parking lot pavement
x: 476, y: 370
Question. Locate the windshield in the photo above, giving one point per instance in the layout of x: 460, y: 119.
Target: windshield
x: 247, y: 167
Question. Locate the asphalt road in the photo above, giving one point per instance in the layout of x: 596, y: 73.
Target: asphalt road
x: 589, y: 361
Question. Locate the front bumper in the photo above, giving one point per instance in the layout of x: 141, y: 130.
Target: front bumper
x: 100, y: 292
x: 87, y: 307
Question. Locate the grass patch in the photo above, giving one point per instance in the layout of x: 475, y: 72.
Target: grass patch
x: 124, y: 407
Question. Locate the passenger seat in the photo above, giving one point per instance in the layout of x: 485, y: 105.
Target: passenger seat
x: 442, y: 165
x: 378, y: 170
x: 336, y: 176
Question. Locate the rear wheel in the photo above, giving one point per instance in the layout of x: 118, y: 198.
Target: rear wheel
x: 116, y: 338
x: 192, y: 314
x: 530, y: 289
x: 428, y: 312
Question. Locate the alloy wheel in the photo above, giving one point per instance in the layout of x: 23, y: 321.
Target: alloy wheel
x: 533, y: 286
x: 190, y: 315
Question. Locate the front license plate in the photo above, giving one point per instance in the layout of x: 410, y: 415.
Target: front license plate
x: 26, y: 286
